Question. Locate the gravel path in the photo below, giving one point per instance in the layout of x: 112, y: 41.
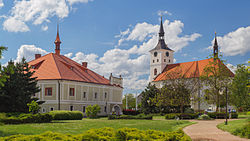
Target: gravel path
x: 207, y: 131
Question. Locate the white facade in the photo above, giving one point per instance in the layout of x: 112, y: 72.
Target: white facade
x: 158, y: 61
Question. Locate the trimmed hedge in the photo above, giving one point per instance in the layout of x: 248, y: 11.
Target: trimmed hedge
x: 222, y: 115
x: 182, y: 116
x: 66, y: 115
x: 130, y: 112
x: 140, y: 116
x: 106, y: 134
x: 28, y: 118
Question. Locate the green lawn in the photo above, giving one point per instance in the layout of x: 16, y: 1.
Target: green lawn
x: 79, y: 126
x: 235, y: 124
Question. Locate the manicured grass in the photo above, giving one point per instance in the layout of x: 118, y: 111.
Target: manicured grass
x: 77, y: 127
x: 234, y: 125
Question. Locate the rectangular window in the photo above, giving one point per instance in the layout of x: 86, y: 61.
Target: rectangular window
x: 71, y: 108
x: 84, y: 94
x: 105, y: 109
x: 48, y: 91
x: 83, y: 109
x: 95, y: 95
x: 51, y: 109
x: 105, y: 95
x: 71, y: 91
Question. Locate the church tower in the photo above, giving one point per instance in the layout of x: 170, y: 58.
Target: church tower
x: 57, y: 42
x: 160, y: 56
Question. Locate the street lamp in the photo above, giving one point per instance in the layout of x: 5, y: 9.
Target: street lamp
x: 221, y: 92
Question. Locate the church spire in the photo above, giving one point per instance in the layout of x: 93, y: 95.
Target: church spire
x: 161, y: 32
x: 57, y: 42
x: 215, y: 47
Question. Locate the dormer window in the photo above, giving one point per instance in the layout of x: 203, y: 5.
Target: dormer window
x: 33, y: 66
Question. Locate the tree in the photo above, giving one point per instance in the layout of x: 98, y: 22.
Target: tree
x: 240, y: 97
x: 19, y: 87
x: 147, y: 104
x: 33, y: 107
x: 131, y: 101
x: 176, y: 93
x: 92, y: 111
x: 2, y: 76
x: 216, y: 76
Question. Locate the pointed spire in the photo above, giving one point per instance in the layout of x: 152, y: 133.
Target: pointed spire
x: 161, y: 32
x: 57, y: 41
x: 215, y: 47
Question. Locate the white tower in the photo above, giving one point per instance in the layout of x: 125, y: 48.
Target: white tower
x: 160, y: 56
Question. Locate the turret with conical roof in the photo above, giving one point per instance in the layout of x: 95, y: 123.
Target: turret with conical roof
x: 57, y: 42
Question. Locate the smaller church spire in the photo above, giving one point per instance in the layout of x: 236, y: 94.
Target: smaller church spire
x: 57, y: 41
x: 215, y: 47
x: 161, y: 32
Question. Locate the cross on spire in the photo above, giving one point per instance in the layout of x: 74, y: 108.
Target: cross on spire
x: 57, y: 41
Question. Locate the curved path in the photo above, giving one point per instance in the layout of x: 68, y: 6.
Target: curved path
x: 207, y: 131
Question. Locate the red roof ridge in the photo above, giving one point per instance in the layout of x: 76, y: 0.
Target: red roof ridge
x: 57, y: 65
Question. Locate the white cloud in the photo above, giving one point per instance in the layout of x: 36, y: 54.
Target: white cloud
x: 71, y: 2
x: 14, y: 25
x: 36, y: 12
x: 231, y: 67
x: 161, y: 13
x: 28, y: 52
x: 234, y: 43
x: 45, y: 27
x: 1, y: 3
x: 69, y: 55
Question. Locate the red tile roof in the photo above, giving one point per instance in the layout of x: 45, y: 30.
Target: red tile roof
x: 59, y: 67
x: 187, y: 69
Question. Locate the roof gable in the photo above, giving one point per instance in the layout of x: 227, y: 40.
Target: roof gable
x: 53, y: 66
x: 187, y: 70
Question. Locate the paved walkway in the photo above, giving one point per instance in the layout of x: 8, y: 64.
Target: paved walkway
x: 207, y: 131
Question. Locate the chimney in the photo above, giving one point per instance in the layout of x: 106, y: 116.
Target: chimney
x: 37, y: 56
x: 85, y: 64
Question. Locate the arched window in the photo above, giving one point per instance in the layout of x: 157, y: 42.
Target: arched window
x: 155, y: 71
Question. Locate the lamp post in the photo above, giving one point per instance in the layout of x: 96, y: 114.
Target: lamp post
x: 226, y: 106
x: 221, y: 92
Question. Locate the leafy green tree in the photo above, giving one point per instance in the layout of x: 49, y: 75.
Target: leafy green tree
x: 215, y: 77
x: 18, y: 88
x: 175, y: 95
x: 92, y: 111
x: 147, y: 104
x: 131, y: 101
x: 2, y: 77
x: 240, y: 97
x: 33, y: 107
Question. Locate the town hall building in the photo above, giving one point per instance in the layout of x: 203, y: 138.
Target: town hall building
x: 161, y: 66
x: 68, y: 85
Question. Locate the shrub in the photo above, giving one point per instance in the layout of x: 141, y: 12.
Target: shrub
x: 28, y: 118
x: 222, y: 115
x: 140, y: 116
x: 189, y: 110
x: 182, y: 116
x: 92, y: 111
x: 106, y: 134
x: 204, y: 117
x: 172, y: 116
x: 130, y: 112
x: 33, y: 107
x: 66, y: 115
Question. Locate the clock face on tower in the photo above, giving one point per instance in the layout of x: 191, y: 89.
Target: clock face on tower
x: 167, y: 54
x: 155, y: 54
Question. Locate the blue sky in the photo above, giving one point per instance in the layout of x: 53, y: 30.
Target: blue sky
x: 90, y: 30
